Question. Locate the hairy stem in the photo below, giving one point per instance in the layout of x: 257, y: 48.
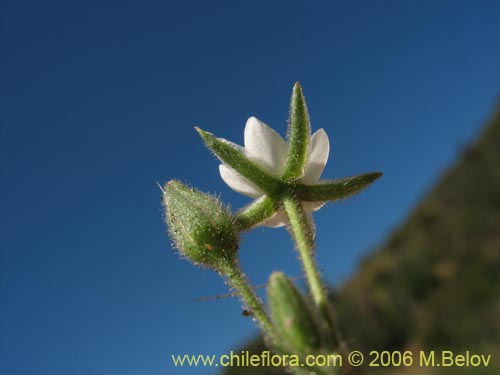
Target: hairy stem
x: 304, y: 239
x: 237, y: 280
x: 240, y: 283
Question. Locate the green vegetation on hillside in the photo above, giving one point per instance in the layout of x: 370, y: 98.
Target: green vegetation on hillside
x: 435, y: 284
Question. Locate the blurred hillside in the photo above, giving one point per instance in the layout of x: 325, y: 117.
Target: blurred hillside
x: 435, y: 283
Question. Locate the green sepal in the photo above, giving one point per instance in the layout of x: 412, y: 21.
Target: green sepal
x: 293, y: 316
x: 232, y: 157
x: 255, y: 213
x: 299, y: 131
x: 201, y: 228
x: 335, y: 189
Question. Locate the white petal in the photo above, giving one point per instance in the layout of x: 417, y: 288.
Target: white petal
x: 312, y: 206
x: 320, y: 149
x: 279, y: 219
x: 239, y: 183
x: 265, y: 147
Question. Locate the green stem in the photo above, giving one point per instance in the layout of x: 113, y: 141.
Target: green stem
x: 304, y: 239
x: 240, y: 283
x: 255, y: 213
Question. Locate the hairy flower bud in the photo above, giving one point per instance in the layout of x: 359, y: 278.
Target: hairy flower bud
x: 200, y: 226
x: 293, y: 317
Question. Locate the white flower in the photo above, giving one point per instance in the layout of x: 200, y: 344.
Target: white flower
x: 266, y: 148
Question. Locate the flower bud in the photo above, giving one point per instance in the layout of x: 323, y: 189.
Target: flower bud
x: 201, y: 228
x: 293, y: 317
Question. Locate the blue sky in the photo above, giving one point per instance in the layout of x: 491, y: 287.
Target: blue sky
x: 99, y: 102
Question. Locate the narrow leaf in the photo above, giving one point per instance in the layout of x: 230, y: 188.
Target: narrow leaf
x: 336, y: 189
x: 299, y: 131
x: 232, y: 157
x: 293, y: 316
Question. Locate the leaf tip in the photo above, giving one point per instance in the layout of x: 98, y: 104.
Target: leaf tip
x: 376, y: 175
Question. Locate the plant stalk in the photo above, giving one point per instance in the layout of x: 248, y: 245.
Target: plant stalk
x: 304, y: 240
x: 238, y: 281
